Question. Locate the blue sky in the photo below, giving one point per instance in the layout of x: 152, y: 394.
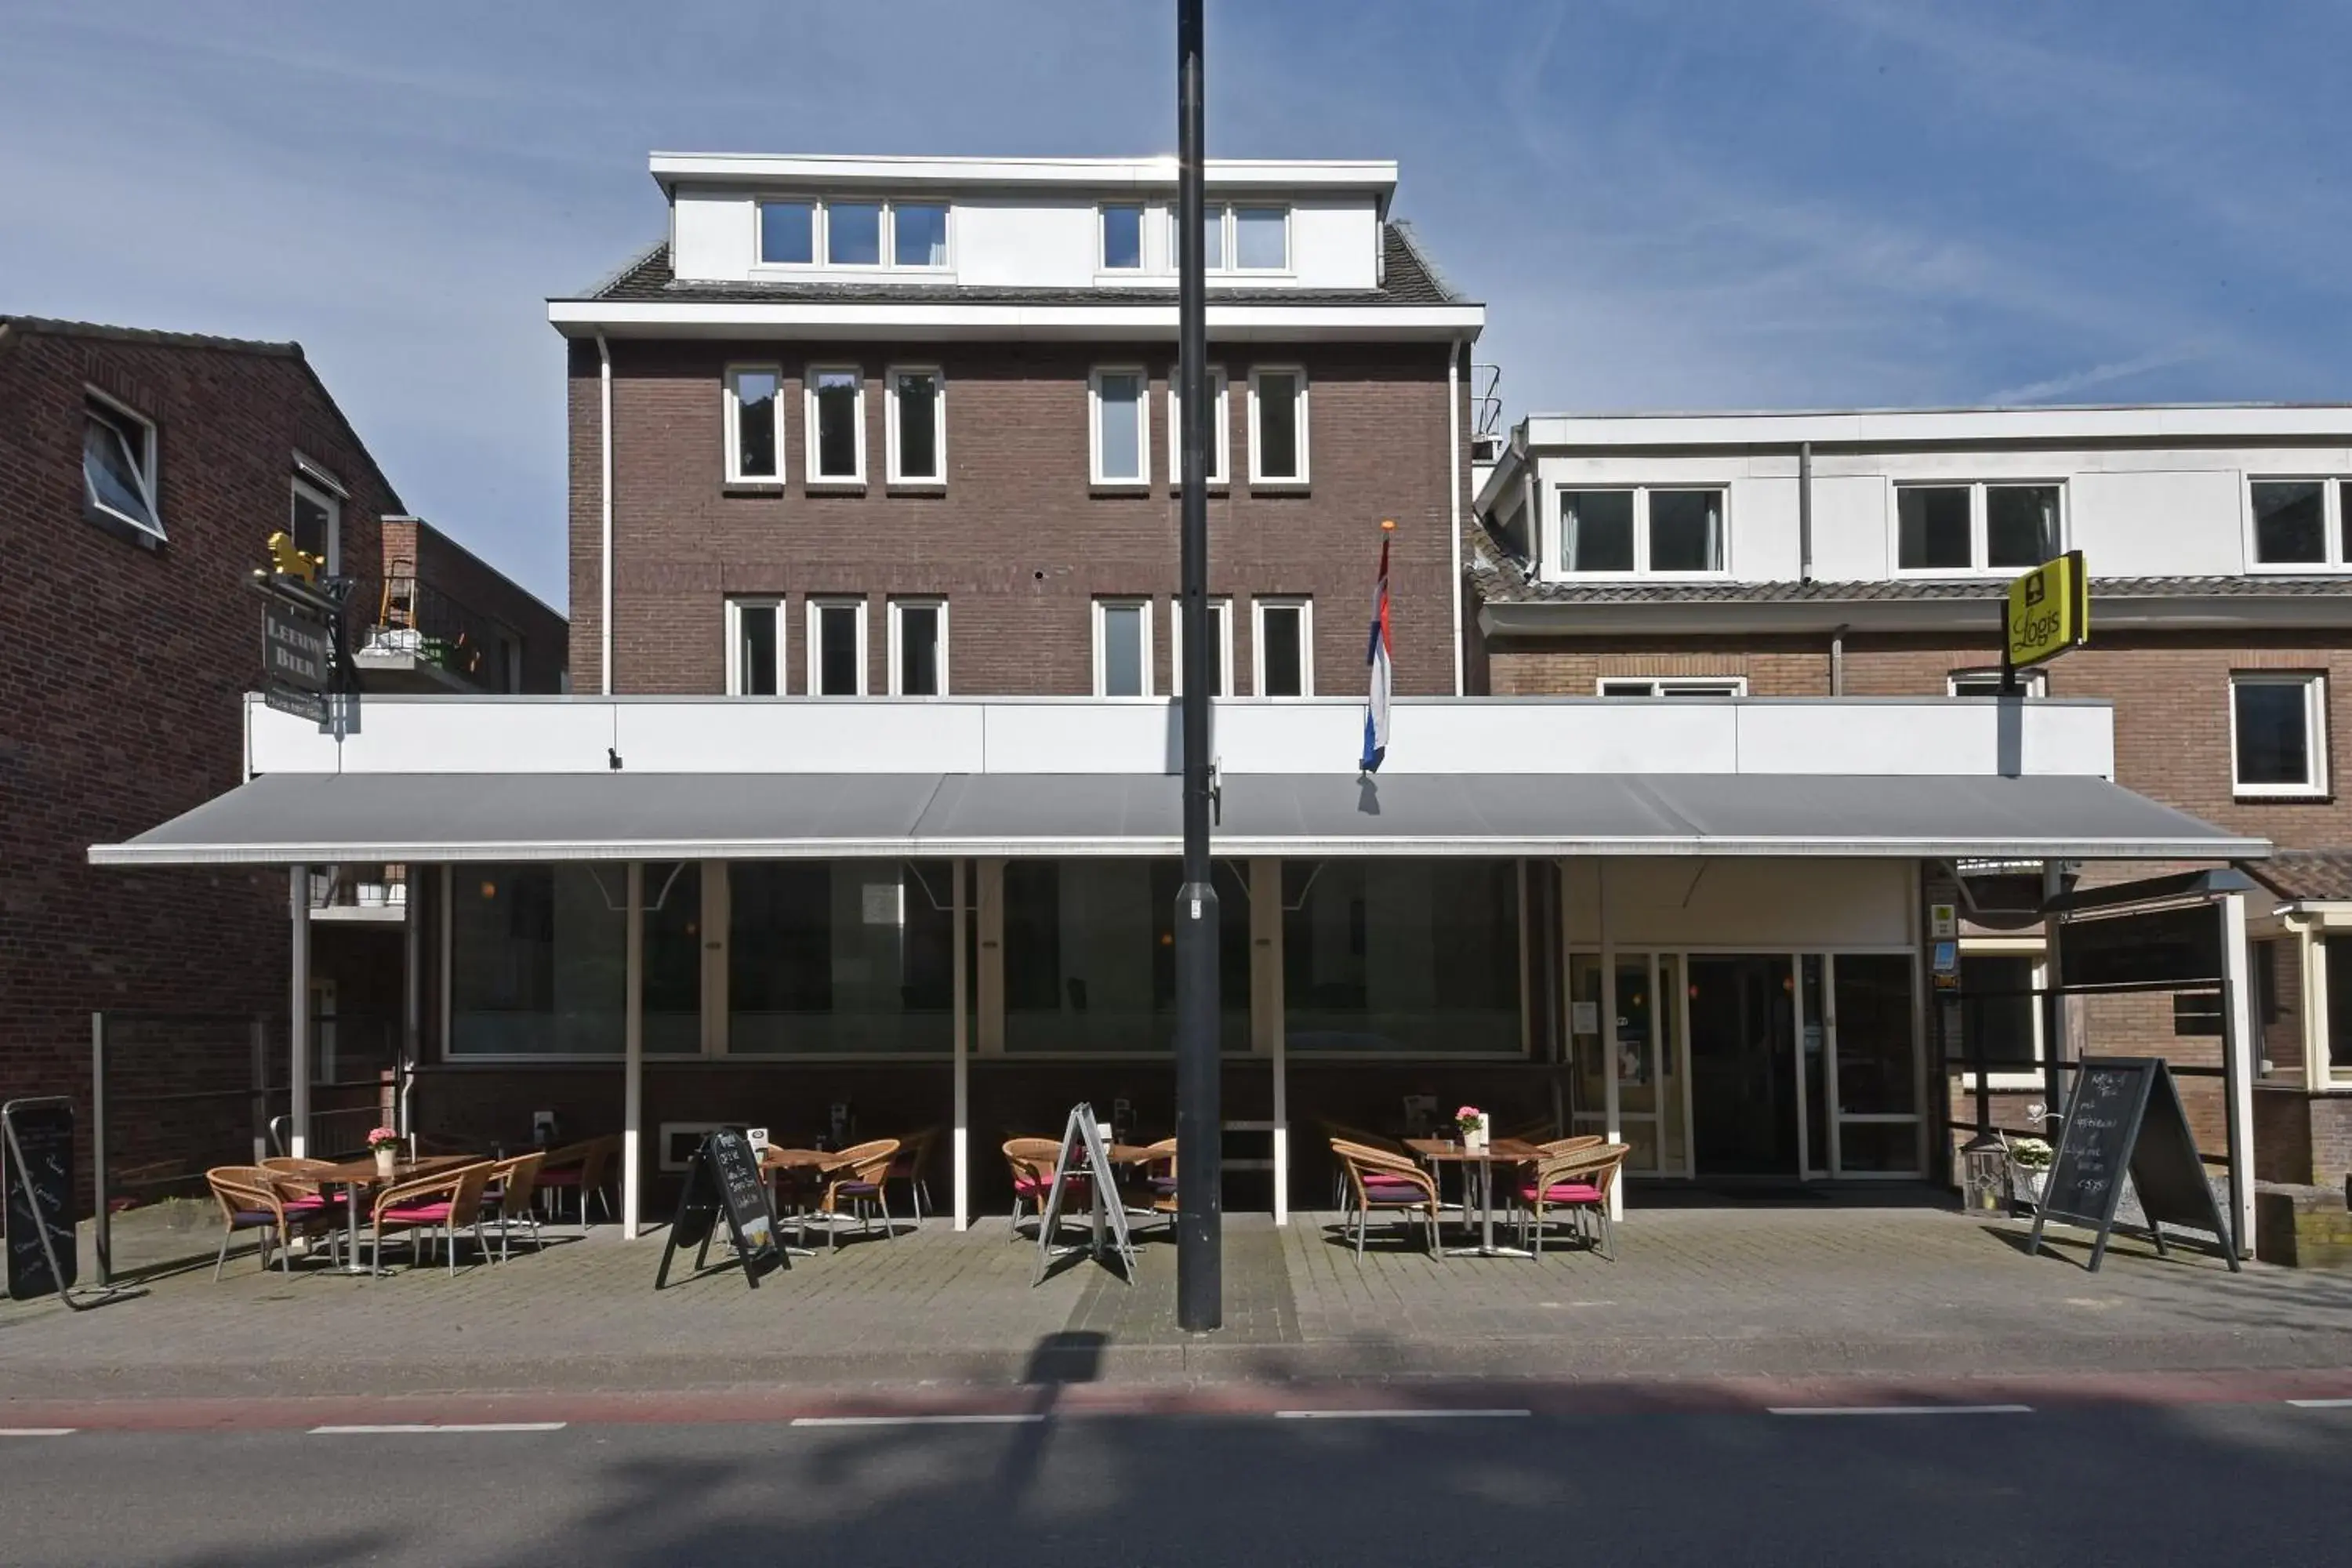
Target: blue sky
x: 1685, y: 205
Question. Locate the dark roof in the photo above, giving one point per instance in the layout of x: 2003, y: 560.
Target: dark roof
x: 48, y: 327
x: 2307, y: 875
x: 1406, y: 279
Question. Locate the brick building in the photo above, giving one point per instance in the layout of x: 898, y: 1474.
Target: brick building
x: 1865, y: 554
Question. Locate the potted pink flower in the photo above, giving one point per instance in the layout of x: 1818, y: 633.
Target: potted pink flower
x: 384, y: 1142
x: 1471, y: 1122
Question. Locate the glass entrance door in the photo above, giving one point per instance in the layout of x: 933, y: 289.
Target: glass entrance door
x: 1644, y: 1049
x: 1743, y: 1072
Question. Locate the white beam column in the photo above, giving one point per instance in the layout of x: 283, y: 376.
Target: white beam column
x: 1265, y: 1012
x: 298, y: 1016
x: 2239, y: 1029
x: 633, y: 1054
x: 1611, y: 1096
x: 960, y: 1141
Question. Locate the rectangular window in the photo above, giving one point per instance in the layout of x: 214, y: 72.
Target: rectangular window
x: 2278, y: 734
x: 919, y: 648
x: 2020, y: 526
x: 2291, y: 525
x: 1596, y: 531
x: 755, y: 424
x: 1212, y: 239
x: 852, y: 233
x: 316, y: 525
x: 755, y: 665
x: 1261, y: 239
x: 918, y: 234
x: 1090, y: 956
x: 1932, y: 528
x: 919, y: 427
x: 1122, y: 238
x: 1401, y: 957
x: 1685, y: 530
x: 837, y: 654
x: 1278, y: 426
x: 1673, y: 686
x: 1122, y: 647
x: 2337, y: 959
x: 1976, y: 527
x: 118, y: 465
x: 836, y: 425
x: 839, y: 957
x: 1987, y: 683
x: 1221, y: 648
x: 1220, y: 428
x: 787, y: 233
x: 1285, y: 648
x: 1121, y: 437
x: 537, y: 956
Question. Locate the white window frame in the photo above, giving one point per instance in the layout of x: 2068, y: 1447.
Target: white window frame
x: 774, y: 604
x: 1144, y: 632
x: 1555, y: 563
x: 2007, y: 947
x: 2033, y: 683
x: 813, y: 475
x: 298, y: 486
x: 814, y: 617
x: 820, y: 235
x: 1234, y: 235
x: 1304, y: 605
x: 890, y: 237
x: 1221, y: 427
x: 1228, y: 261
x: 939, y: 427
x: 1978, y: 533
x: 1221, y: 608
x: 144, y: 460
x: 2332, y: 519
x: 1142, y: 478
x: 732, y: 399
x: 816, y: 234
x: 1661, y: 685
x: 2315, y: 715
x: 1102, y: 239
x: 1257, y: 479
x: 897, y: 667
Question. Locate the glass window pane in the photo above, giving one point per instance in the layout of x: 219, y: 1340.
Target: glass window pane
x: 755, y: 424
x: 2273, y: 738
x: 1261, y: 236
x: 536, y: 960
x: 1120, y: 416
x: 1996, y: 1013
x: 1277, y: 425
x: 1284, y: 655
x: 1878, y: 1147
x: 112, y: 453
x: 756, y: 673
x: 1932, y: 529
x: 918, y: 234
x: 788, y: 233
x: 837, y: 424
x: 838, y: 662
x: 1873, y: 1033
x: 2344, y: 519
x: 2020, y: 525
x: 919, y: 405
x: 1122, y: 650
x: 1220, y: 642
x: 1685, y: 530
x: 844, y: 956
x: 1090, y: 956
x: 1213, y: 238
x: 673, y: 920
x: 1122, y: 239
x: 1406, y: 957
x: 1816, y: 1064
x: 314, y: 524
x: 2289, y: 527
x: 1596, y: 531
x: 852, y: 233
x: 918, y: 650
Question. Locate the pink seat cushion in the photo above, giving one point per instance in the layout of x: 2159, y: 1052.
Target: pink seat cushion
x: 1030, y: 1186
x: 1564, y: 1193
x: 1391, y: 1192
x: 417, y: 1214
x: 568, y: 1176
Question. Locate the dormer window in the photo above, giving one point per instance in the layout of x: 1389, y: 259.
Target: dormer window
x: 861, y: 234
x: 852, y: 233
x: 1122, y: 238
x: 1244, y: 238
x: 787, y: 233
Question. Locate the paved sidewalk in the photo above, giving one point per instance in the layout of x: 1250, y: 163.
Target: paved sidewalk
x: 1744, y: 1290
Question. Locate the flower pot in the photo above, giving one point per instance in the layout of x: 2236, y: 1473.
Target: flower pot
x: 384, y: 1157
x: 2027, y: 1182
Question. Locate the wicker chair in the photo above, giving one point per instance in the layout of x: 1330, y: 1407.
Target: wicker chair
x: 1152, y: 1189
x: 449, y: 1202
x: 580, y: 1168
x: 1583, y: 1140
x: 860, y: 1177
x: 507, y: 1198
x: 251, y: 1199
x: 1578, y: 1182
x: 914, y: 1157
x: 1379, y: 1180
x: 1031, y: 1162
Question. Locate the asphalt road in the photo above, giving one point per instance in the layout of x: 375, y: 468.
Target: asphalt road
x: 2184, y: 1484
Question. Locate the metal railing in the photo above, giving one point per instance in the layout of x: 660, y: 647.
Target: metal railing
x: 402, y: 613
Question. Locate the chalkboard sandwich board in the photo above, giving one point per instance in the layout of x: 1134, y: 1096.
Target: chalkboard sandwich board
x: 37, y: 1162
x: 2125, y: 1119
x: 723, y: 1180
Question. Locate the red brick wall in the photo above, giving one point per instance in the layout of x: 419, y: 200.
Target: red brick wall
x: 441, y: 562
x: 121, y: 674
x: 1018, y: 542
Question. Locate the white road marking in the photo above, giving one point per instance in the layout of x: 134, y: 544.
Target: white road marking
x: 36, y: 1431
x: 1393, y: 1415
x: 395, y: 1427
x: 1899, y: 1410
x: 972, y: 1420
x: 2321, y: 1403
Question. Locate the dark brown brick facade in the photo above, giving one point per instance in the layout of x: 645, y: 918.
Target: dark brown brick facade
x: 1018, y: 542
x: 448, y: 567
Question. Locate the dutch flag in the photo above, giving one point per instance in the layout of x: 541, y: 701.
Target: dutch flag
x: 1376, y: 656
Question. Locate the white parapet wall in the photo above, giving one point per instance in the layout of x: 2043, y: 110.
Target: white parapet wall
x: 1870, y: 736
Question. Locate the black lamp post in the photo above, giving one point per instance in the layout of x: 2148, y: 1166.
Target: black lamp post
x: 1200, y: 1167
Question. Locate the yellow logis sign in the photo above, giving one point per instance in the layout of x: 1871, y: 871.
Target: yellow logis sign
x: 2049, y: 610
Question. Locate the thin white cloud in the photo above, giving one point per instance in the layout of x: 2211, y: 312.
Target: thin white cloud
x: 2099, y: 375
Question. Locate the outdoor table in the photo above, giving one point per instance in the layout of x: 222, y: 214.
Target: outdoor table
x: 1479, y: 1164
x: 358, y: 1177
x: 776, y: 1161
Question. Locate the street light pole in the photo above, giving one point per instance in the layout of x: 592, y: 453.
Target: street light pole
x: 1200, y: 1282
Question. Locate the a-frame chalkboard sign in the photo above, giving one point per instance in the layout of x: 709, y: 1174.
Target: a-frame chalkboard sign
x: 36, y: 1161
x: 1083, y: 1156
x: 723, y: 1179
x: 2125, y: 1117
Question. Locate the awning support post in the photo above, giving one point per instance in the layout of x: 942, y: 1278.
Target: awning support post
x: 1611, y: 1097
x: 298, y: 1016
x: 960, y: 1142
x: 633, y: 1054
x: 2238, y: 1067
